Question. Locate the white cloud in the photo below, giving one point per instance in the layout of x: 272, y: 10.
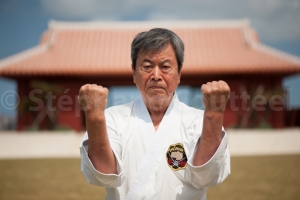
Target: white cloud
x: 81, y: 9
x: 273, y: 19
x: 70, y: 8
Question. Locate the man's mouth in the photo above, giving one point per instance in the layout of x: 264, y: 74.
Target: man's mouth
x: 156, y: 87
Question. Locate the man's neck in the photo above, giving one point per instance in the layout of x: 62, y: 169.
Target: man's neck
x: 157, y: 111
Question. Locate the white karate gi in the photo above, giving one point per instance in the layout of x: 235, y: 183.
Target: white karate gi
x: 135, y: 143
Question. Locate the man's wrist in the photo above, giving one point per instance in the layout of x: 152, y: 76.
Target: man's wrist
x: 212, y: 114
x: 97, y: 116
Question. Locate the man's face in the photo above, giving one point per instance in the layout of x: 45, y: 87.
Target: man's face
x: 156, y: 75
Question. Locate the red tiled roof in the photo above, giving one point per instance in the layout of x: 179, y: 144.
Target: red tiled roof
x: 95, y: 48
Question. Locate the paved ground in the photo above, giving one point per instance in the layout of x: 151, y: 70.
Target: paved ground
x: 264, y: 142
x: 66, y: 144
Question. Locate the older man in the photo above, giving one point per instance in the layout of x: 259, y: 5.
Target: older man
x: 155, y: 147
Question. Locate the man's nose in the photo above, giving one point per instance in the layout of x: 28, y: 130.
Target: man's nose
x: 156, y: 76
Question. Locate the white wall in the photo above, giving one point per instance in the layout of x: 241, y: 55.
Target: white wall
x: 55, y: 145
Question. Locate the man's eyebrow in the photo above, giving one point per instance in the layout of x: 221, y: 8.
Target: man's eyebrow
x: 147, y: 60
x: 165, y: 61
x: 151, y: 61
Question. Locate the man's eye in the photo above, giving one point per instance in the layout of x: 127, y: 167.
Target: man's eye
x: 166, y: 68
x: 146, y: 67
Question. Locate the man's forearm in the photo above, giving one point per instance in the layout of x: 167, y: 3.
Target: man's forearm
x: 211, y: 137
x: 99, y: 151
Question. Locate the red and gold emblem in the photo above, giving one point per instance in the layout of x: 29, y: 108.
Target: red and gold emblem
x: 176, y: 157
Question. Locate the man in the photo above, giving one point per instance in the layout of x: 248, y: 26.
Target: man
x: 155, y: 147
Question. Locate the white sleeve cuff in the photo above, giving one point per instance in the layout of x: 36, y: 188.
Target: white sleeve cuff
x: 215, y: 157
x: 213, y: 171
x: 95, y: 177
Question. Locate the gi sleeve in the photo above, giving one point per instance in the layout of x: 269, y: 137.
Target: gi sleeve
x: 214, y: 171
x: 90, y: 173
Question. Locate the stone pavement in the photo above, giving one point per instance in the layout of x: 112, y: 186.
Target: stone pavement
x: 242, y: 142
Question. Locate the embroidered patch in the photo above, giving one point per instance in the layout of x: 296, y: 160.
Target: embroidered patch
x: 176, y: 157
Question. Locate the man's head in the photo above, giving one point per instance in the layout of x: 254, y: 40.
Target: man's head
x: 157, y: 57
x: 155, y: 40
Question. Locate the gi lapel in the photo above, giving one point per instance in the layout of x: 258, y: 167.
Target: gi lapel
x: 157, y: 143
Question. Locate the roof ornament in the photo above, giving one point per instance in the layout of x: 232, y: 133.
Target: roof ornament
x: 52, y: 34
x: 247, y: 34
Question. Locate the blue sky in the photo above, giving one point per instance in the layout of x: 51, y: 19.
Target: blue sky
x: 22, y: 22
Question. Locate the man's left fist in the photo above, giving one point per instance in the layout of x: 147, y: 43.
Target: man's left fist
x: 215, y: 95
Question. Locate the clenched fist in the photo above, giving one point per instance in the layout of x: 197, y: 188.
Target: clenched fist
x: 93, y: 98
x: 215, y: 95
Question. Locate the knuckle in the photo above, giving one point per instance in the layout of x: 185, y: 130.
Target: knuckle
x: 106, y: 91
x: 82, y: 90
x: 215, y: 89
x: 207, y: 89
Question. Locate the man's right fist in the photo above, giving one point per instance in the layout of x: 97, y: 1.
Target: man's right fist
x: 93, y: 98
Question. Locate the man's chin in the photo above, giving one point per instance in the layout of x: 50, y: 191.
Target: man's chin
x: 158, y: 98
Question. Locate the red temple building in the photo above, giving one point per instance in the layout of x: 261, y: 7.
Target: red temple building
x: 71, y: 54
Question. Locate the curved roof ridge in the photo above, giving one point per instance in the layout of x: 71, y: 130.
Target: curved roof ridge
x: 65, y: 25
x: 277, y: 53
x: 22, y: 55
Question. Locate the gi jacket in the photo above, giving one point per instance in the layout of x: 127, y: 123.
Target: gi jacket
x: 156, y: 164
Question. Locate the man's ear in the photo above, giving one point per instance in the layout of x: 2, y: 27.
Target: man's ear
x: 133, y: 73
x: 179, y: 75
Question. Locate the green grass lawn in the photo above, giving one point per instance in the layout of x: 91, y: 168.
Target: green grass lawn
x: 255, y: 178
x: 260, y: 178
